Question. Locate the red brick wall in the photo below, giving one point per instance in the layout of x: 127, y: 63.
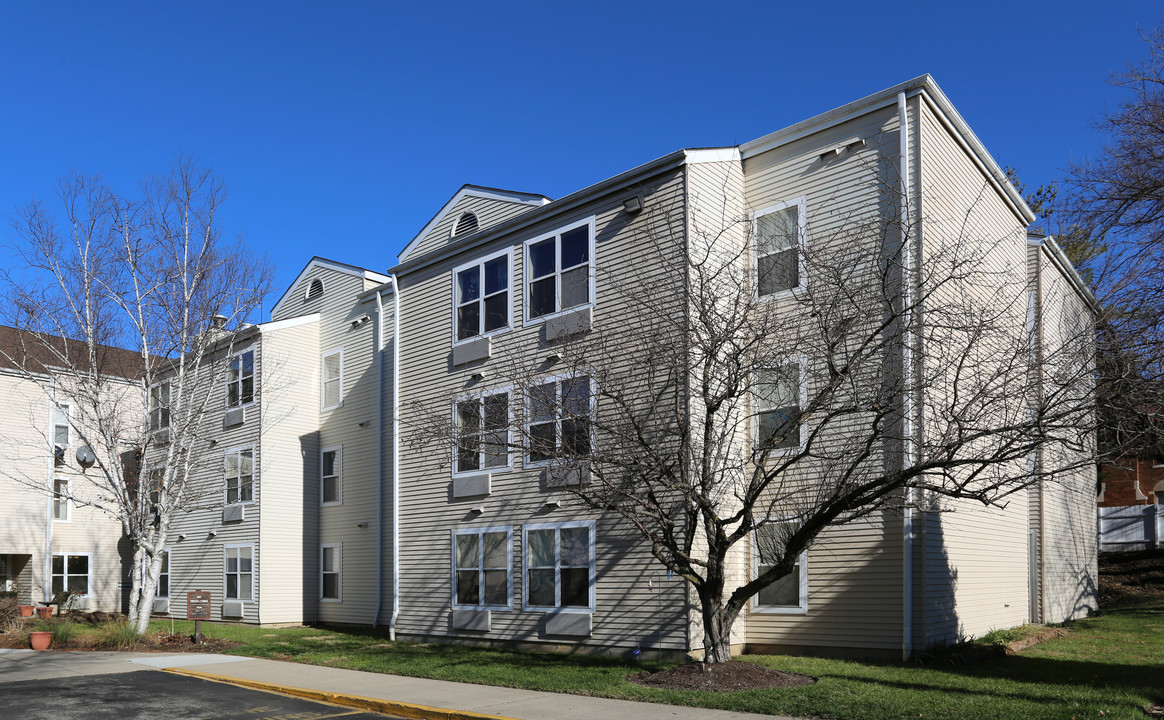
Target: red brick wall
x: 1119, y: 482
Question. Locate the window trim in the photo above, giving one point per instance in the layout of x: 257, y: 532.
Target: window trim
x: 339, y: 572
x: 525, y: 530
x: 323, y: 379
x: 479, y: 531
x: 480, y: 262
x: 254, y: 571
x: 170, y: 559
x: 525, y: 274
x: 254, y: 376
x: 226, y: 488
x: 168, y: 407
x: 67, y: 500
x: 339, y: 482
x: 754, y: 416
x: 53, y: 425
x: 587, y: 373
x: 480, y: 398
x: 65, y: 576
x: 754, y: 602
x: 801, y: 203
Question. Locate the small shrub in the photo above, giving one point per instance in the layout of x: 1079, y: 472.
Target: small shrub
x: 118, y: 635
x: 9, y: 610
x: 64, y: 631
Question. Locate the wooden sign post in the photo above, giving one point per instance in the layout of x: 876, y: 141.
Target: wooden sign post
x: 198, y: 609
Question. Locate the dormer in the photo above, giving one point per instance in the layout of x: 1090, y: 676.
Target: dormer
x: 473, y: 208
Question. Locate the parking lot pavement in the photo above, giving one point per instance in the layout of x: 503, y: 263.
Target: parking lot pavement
x: 155, y: 694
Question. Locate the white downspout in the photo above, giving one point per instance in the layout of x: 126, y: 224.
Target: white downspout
x: 395, y: 457
x: 379, y: 458
x: 48, y: 507
x: 907, y: 448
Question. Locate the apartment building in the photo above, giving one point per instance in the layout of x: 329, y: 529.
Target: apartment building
x: 325, y: 509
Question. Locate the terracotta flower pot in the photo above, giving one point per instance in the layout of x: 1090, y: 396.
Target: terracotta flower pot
x: 40, y: 639
x: 44, y: 612
x: 27, y: 610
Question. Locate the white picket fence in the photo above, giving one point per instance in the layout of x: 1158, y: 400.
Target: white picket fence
x: 1131, y: 527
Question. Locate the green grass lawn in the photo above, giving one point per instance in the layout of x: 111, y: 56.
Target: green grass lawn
x: 1110, y: 666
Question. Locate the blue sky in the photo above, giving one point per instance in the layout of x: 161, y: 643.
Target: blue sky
x: 341, y: 128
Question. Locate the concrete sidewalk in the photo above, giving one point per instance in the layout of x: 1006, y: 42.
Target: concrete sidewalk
x: 403, y: 696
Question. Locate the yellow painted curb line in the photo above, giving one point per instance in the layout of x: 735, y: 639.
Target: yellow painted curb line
x: 411, y: 711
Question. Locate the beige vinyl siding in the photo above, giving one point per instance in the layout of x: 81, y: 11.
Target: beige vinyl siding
x: 1068, y: 551
x: 628, y: 612
x: 352, y: 426
x: 855, y: 580
x: 26, y: 482
x: 289, y: 529
x: 489, y: 212
x: 976, y: 560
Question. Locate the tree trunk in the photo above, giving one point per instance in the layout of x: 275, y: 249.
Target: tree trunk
x: 717, y: 631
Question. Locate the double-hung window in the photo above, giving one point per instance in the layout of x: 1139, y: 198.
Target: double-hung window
x: 333, y: 379
x: 160, y: 406
x: 331, y: 572
x: 481, y: 296
x: 238, y: 572
x: 482, y: 433
x: 483, y: 568
x: 559, y: 566
x: 62, y: 428
x: 71, y: 573
x: 163, y: 589
x: 559, y: 270
x: 559, y: 419
x: 778, y: 394
x: 240, y: 379
x: 789, y: 594
x: 331, y: 476
x: 62, y: 500
x: 778, y: 235
x: 240, y: 476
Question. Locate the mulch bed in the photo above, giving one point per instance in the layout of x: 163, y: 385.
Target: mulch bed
x: 1131, y: 577
x: 720, y: 677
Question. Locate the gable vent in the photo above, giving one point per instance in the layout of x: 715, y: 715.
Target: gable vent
x: 466, y: 224
x: 315, y: 289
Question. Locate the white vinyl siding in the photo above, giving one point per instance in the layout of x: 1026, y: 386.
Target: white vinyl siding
x: 559, y: 566
x: 483, y: 568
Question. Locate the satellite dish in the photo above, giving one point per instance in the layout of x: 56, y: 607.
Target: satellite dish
x: 85, y: 456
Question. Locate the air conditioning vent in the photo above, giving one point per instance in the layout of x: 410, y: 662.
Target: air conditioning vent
x: 467, y: 223
x: 315, y: 289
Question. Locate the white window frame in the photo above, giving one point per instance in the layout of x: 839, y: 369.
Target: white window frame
x: 225, y: 479
x: 254, y: 378
x: 802, y: 363
x: 802, y: 561
x: 254, y: 571
x: 65, y: 501
x: 479, y: 531
x: 525, y: 530
x: 339, y: 476
x: 53, y: 424
x: 167, y: 573
x: 480, y: 263
x: 801, y: 204
x: 526, y: 274
x: 338, y: 572
x: 168, y: 412
x: 589, y: 374
x: 508, y: 391
x: 65, y: 576
x: 323, y: 379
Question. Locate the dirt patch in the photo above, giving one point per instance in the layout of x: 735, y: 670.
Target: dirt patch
x: 1031, y: 640
x: 1131, y: 577
x: 720, y: 677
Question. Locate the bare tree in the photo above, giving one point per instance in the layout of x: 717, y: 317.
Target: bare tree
x: 725, y: 407
x: 123, y: 307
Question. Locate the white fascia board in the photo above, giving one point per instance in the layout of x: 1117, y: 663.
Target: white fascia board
x: 470, y: 191
x: 1060, y: 260
x: 289, y: 322
x: 362, y: 273
x: 709, y: 155
x: 922, y: 85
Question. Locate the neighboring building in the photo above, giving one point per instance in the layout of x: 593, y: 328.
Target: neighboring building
x: 322, y: 513
x: 1131, y: 481
x: 50, y: 540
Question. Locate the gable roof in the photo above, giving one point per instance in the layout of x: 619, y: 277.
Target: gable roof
x: 531, y: 199
x: 33, y: 352
x: 334, y: 265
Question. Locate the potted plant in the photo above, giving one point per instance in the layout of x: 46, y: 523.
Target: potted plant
x: 44, y: 611
x: 40, y: 639
x: 27, y: 610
